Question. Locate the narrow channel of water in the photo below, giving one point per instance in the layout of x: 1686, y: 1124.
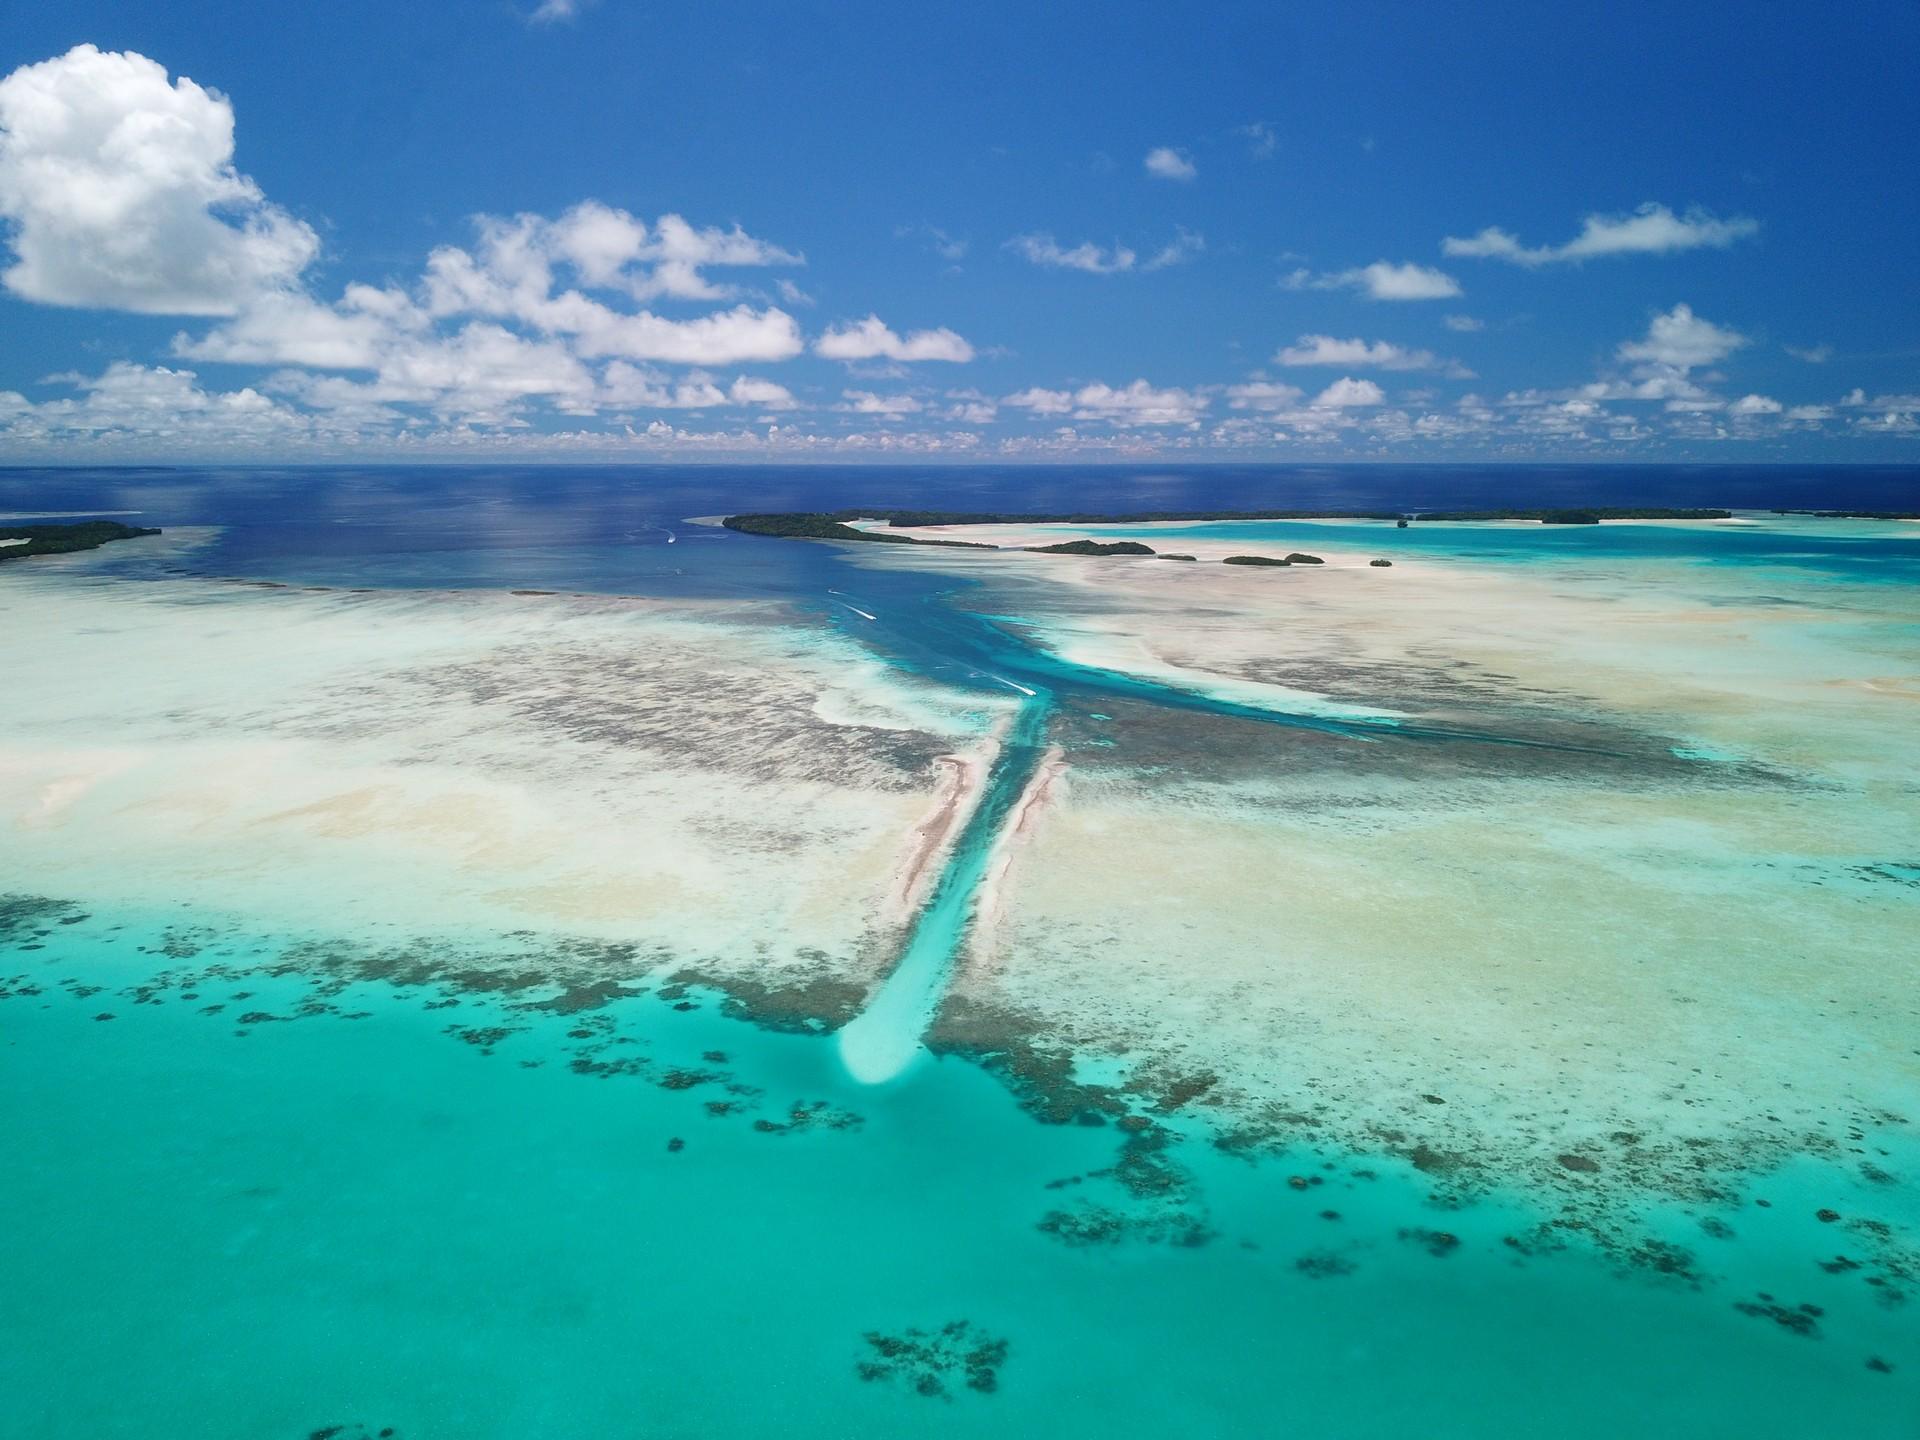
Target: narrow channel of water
x: 884, y: 1039
x: 944, y: 640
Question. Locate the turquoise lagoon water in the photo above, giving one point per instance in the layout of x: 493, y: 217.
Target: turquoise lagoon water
x: 253, y: 1193
x: 444, y: 1213
x: 1865, y: 551
x: 884, y: 1039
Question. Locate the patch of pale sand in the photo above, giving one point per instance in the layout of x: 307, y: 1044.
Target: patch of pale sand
x: 1687, y: 650
x: 1557, y: 963
x: 304, y: 759
x: 860, y: 689
x: 45, y: 797
x: 1899, y: 687
x: 294, y: 829
x: 1044, y: 792
x: 962, y: 782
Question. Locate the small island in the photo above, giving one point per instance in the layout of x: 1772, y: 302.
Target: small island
x: 20, y: 542
x: 1255, y: 560
x: 1550, y: 515
x: 1300, y: 557
x: 1092, y: 547
x: 814, y: 525
x: 834, y: 524
x: 1581, y: 515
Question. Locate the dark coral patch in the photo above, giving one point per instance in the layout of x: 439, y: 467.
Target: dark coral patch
x: 931, y: 1363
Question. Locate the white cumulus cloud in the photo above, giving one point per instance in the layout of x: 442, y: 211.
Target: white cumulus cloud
x: 1650, y: 230
x: 603, y: 248
x: 120, y: 192
x: 1683, y: 340
x: 1347, y: 393
x: 141, y: 405
x: 887, y: 407
x: 1164, y: 162
x: 515, y: 274
x: 624, y: 386
x: 1264, y: 395
x: 1381, y: 280
x: 554, y: 12
x: 872, y: 339
x: 1129, y: 405
x: 1040, y: 248
x: 1377, y: 354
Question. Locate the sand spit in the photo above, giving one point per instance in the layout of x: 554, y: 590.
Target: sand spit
x: 1344, y: 545
x: 962, y: 778
x: 1045, y: 790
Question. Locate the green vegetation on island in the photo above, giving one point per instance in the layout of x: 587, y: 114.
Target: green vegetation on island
x: 1546, y: 515
x: 1381, y: 564
x: 1092, y: 547
x: 1296, y: 557
x: 832, y: 524
x: 913, y: 518
x: 63, y: 539
x: 814, y: 525
x: 1168, y: 556
x: 1582, y: 515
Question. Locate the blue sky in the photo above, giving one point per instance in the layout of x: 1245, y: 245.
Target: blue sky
x: 633, y: 231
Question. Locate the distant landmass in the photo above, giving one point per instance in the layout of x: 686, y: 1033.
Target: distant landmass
x: 18, y: 542
x: 815, y: 525
x: 833, y: 524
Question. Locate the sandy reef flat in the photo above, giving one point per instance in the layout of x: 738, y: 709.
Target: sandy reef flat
x: 1658, y: 952
x: 1632, y: 934
x: 693, y: 781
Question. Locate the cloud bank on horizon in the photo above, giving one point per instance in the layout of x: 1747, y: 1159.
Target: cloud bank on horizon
x: 594, y: 328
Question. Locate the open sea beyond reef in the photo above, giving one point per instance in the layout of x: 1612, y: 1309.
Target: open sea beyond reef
x: 483, y: 954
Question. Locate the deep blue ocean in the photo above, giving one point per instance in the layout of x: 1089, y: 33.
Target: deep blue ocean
x: 608, y: 527
x: 273, y: 514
